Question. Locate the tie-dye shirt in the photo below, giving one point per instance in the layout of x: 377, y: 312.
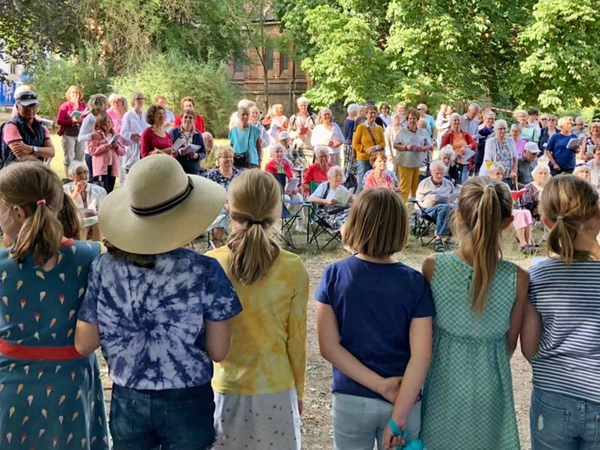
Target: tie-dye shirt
x: 151, y: 321
x: 268, y: 339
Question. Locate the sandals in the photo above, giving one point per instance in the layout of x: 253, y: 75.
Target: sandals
x: 450, y: 245
x: 439, y: 246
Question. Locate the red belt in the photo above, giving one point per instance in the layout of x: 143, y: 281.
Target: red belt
x: 43, y: 353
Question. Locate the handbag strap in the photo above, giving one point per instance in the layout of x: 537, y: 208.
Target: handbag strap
x: 371, y: 134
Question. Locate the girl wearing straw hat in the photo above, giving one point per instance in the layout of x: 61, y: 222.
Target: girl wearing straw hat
x: 159, y: 311
x: 260, y: 385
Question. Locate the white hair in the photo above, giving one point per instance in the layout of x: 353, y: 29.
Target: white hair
x: 353, y: 108
x: 302, y: 100
x: 520, y: 112
x: 274, y: 147
x: 422, y: 105
x: 447, y: 151
x: 494, y: 167
x: 454, y: 116
x: 490, y: 114
x: 437, y: 164
x: 581, y: 168
x: 540, y: 168
x: 320, y: 150
x: 499, y: 123
x: 76, y: 165
x: 334, y: 170
x: 515, y: 126
x: 473, y: 106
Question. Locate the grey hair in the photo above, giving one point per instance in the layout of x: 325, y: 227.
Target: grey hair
x: 454, y: 116
x: 495, y: 166
x: 516, y: 126
x: 320, y: 118
x: 241, y: 109
x: 539, y: 168
x: 334, y: 170
x: 499, y: 123
x: 272, y: 148
x: 551, y: 116
x: 302, y: 100
x: 353, y: 108
x: 519, y: 112
x: 473, y: 106
x: 134, y: 95
x: 256, y: 108
x: 321, y: 149
x: 490, y: 114
x: 581, y: 168
x: 580, y: 118
x: 76, y: 165
x: 437, y: 164
x: 447, y: 151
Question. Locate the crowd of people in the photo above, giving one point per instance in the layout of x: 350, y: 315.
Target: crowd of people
x: 208, y: 351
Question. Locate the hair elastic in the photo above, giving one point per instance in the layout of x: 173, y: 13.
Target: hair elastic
x: 560, y: 217
x: 257, y: 222
x: 41, y: 202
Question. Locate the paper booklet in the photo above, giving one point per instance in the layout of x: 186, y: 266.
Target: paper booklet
x: 76, y: 114
x: 178, y: 144
x: 292, y: 184
x: 575, y: 144
x: 468, y: 154
x: 114, y: 139
x: 342, y: 196
x: 441, y: 199
x: 47, y: 122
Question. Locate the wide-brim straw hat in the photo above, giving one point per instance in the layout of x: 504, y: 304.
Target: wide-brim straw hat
x: 160, y: 208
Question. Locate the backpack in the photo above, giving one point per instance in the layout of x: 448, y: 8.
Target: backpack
x: 6, y: 155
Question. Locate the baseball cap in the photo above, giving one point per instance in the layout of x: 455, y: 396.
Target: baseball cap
x: 284, y: 135
x: 27, y: 98
x: 532, y: 147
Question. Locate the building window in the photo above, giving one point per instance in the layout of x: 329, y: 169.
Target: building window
x: 238, y: 66
x: 13, y: 69
x: 270, y: 60
x: 284, y: 62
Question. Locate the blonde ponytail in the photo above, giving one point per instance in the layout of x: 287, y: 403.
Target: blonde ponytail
x: 36, y: 189
x: 255, y: 204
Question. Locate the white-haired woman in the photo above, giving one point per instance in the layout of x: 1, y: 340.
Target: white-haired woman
x: 301, y: 125
x: 349, y: 125
x: 117, y: 110
x: 87, y: 197
x: 448, y: 157
x: 333, y: 213
x: 515, y: 134
x: 582, y: 171
x: 594, y: 166
x: 460, y: 141
x: 529, y: 133
x: 327, y: 133
x: 133, y: 125
x: 437, y: 195
x: 246, y: 141
x: 501, y: 149
x: 541, y: 174
x: 277, y: 121
x: 317, y: 172
x: 292, y: 197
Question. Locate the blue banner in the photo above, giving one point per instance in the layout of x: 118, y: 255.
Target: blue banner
x: 7, y: 93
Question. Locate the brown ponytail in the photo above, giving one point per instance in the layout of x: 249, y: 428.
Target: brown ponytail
x: 38, y: 190
x: 70, y: 218
x: 483, y: 205
x: 569, y: 202
x: 255, y: 203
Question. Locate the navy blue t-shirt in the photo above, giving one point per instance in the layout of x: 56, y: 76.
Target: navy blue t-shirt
x: 374, y: 305
x: 564, y: 156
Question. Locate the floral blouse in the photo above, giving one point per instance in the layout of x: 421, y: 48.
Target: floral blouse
x: 215, y: 175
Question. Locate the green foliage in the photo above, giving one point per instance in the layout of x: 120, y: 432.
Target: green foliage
x: 52, y: 77
x: 175, y: 76
x: 563, y: 62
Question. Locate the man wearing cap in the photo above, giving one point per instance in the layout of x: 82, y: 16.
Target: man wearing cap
x: 527, y: 162
x: 24, y: 137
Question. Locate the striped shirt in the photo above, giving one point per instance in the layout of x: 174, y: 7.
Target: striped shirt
x: 568, y: 299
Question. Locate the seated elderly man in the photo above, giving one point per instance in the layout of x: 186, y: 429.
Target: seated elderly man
x: 328, y: 196
x: 437, y: 195
x: 87, y: 197
x: 526, y: 163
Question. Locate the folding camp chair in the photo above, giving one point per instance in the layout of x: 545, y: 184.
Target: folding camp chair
x: 423, y: 225
x: 288, y: 219
x: 321, y: 229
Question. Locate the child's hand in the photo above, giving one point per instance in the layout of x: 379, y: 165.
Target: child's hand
x: 390, y: 441
x: 389, y: 388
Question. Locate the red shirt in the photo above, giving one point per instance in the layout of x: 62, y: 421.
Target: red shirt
x: 315, y: 173
x: 271, y: 167
x: 199, y: 123
x: 150, y: 140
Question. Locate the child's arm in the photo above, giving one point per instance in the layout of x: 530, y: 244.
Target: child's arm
x: 218, y: 338
x: 120, y: 148
x: 421, y: 337
x: 332, y: 351
x: 97, y: 148
x: 531, y: 332
x: 87, y: 337
x: 516, y: 317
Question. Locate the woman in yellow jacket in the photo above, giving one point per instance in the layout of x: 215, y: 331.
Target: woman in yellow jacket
x: 260, y: 385
x: 367, y: 139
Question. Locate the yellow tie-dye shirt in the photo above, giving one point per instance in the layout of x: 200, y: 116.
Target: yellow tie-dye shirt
x: 268, y: 339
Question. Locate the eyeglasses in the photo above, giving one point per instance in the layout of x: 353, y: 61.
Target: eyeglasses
x: 139, y: 98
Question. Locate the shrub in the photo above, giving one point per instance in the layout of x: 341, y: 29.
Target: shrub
x: 175, y: 76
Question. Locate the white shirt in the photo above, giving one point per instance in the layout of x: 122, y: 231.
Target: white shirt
x: 320, y: 134
x: 95, y: 195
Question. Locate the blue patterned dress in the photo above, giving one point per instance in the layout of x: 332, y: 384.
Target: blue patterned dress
x: 48, y: 404
x: 468, y: 396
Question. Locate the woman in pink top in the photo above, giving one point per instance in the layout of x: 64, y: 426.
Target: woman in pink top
x: 118, y: 108
x: 106, y: 153
x: 69, y: 122
x: 155, y: 139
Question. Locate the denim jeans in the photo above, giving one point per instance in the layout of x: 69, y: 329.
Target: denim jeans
x: 362, y: 167
x: 562, y: 422
x: 172, y: 419
x: 464, y: 173
x: 441, y: 214
x: 88, y: 162
x: 359, y: 421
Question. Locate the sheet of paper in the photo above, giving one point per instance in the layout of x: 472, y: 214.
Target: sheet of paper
x: 292, y: 184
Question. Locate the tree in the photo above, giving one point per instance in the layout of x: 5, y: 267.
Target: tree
x: 562, y: 66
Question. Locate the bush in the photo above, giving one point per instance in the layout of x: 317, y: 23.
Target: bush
x: 175, y: 76
x: 52, y: 77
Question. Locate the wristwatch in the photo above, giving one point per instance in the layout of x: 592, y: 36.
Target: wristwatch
x: 34, y: 150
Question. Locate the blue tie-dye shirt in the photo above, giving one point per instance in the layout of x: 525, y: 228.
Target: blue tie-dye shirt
x: 151, y: 321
